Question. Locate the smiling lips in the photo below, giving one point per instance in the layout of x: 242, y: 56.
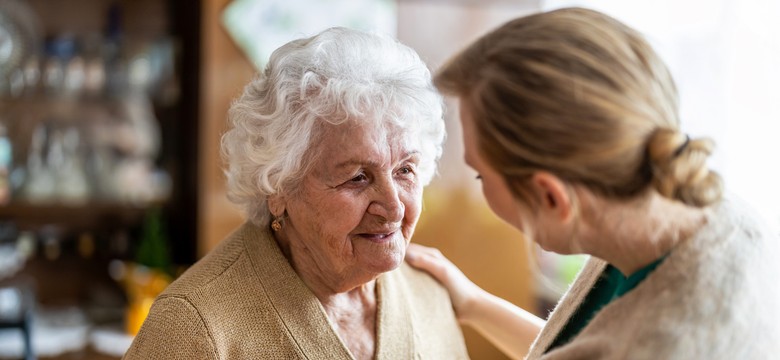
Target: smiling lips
x: 379, y: 236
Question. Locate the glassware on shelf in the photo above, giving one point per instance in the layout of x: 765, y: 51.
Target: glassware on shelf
x: 19, y: 29
x: 91, y: 130
x: 72, y: 185
x: 39, y: 180
x: 6, y: 157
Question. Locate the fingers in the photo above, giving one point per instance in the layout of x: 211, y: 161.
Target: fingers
x: 417, y: 249
x: 419, y: 257
x: 419, y: 254
x: 430, y: 260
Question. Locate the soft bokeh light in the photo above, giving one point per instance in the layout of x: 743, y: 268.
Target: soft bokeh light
x: 261, y: 26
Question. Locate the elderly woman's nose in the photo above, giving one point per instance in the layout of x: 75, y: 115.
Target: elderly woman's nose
x: 387, y: 203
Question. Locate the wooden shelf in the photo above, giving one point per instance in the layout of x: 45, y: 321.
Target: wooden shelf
x: 97, y: 215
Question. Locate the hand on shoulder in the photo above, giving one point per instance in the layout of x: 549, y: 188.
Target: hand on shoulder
x: 463, y: 292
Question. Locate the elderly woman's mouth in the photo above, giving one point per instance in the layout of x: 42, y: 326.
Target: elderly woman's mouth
x: 379, y: 237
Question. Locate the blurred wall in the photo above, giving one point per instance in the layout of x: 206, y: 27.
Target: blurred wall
x: 224, y: 73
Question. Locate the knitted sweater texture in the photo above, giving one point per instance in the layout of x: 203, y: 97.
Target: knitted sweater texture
x: 716, y: 296
x: 244, y: 301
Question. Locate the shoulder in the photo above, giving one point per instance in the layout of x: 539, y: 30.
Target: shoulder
x: 174, y: 329
x: 420, y: 282
x: 422, y: 293
x: 215, y: 286
x: 735, y: 252
x: 733, y: 219
x: 709, y: 298
x: 431, y: 318
x: 226, y: 298
x: 229, y: 253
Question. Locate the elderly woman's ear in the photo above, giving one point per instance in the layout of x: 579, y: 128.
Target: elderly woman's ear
x: 276, y: 205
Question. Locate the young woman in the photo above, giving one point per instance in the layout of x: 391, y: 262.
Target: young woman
x: 571, y: 120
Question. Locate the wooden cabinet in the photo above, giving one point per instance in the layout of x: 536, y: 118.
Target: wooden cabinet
x: 146, y: 54
x: 117, y: 93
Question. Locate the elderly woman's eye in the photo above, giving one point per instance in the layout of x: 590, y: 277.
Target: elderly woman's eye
x: 406, y: 170
x: 359, y: 178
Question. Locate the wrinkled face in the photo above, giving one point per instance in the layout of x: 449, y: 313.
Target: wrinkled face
x: 356, y: 209
x: 495, y: 189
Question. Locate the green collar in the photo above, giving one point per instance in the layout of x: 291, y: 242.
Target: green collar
x: 611, y: 285
x: 626, y: 284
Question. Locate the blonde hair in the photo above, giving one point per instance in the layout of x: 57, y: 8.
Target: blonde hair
x: 583, y: 96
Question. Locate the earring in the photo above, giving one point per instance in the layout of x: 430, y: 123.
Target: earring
x: 276, y: 225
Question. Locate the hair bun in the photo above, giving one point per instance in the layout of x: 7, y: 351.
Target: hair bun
x: 679, y: 167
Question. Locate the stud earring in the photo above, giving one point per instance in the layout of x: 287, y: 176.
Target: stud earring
x: 276, y: 225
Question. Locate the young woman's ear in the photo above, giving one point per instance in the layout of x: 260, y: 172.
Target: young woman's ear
x: 552, y: 195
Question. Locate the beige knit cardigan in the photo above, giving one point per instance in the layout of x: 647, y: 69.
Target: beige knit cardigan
x: 244, y: 301
x: 715, y: 296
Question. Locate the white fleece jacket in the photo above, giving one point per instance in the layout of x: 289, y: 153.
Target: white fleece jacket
x: 716, y: 296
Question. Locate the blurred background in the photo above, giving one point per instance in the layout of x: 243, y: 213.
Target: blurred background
x: 111, y: 113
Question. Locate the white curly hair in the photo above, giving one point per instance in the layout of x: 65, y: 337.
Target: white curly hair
x: 335, y: 76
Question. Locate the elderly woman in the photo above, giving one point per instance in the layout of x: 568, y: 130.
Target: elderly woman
x: 328, y: 153
x: 571, y: 121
